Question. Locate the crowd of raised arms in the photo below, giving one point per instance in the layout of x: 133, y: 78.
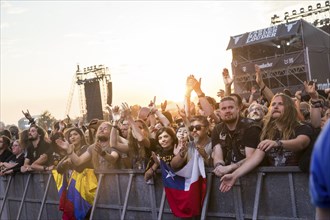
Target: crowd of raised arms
x: 233, y: 135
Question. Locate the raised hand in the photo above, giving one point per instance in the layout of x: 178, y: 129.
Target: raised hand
x: 64, y: 145
x: 152, y: 106
x: 181, y: 111
x: 155, y: 158
x: 116, y: 113
x: 163, y: 106
x: 126, y: 110
x: 226, y: 77
x: 190, y: 84
x: 98, y: 148
x: 310, y: 89
x: 27, y: 115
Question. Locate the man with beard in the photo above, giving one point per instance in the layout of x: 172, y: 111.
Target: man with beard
x: 257, y: 113
x: 283, y: 139
x: 102, y: 155
x: 38, y: 150
x: 198, y: 130
x: 234, y: 139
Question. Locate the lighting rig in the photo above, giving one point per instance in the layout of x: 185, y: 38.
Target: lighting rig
x: 321, y: 12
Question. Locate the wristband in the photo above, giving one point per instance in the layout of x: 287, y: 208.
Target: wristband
x: 262, y: 89
x: 219, y: 164
x: 201, y: 95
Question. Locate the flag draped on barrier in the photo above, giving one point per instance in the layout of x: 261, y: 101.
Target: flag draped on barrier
x: 65, y: 205
x: 81, y: 191
x: 186, y: 188
x: 78, y: 193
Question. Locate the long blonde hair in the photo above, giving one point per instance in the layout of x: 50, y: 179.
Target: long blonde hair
x: 288, y: 119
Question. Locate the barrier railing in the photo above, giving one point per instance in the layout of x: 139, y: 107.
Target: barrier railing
x: 267, y: 193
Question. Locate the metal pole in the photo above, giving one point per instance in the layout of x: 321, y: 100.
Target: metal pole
x: 127, y: 195
x: 23, y: 197
x: 257, y: 196
x: 207, y: 196
x: 162, y: 204
x: 45, y: 195
x: 5, y: 196
x: 96, y: 195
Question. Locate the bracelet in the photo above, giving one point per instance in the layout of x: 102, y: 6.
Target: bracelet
x: 154, y: 171
x: 45, y: 168
x: 262, y: 89
x: 201, y: 95
x: 219, y: 164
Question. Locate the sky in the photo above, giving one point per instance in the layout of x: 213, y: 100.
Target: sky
x: 150, y: 47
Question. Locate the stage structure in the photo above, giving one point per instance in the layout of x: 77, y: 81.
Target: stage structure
x: 288, y: 54
x: 95, y: 90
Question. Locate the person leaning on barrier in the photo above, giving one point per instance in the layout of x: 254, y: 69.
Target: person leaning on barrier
x: 37, y: 149
x: 167, y: 140
x: 5, y: 153
x: 234, y: 139
x: 75, y: 137
x: 283, y: 139
x: 100, y: 153
x: 319, y: 181
x: 52, y: 156
x: 13, y: 163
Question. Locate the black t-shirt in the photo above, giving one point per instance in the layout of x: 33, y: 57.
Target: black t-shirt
x: 5, y: 155
x: 42, y: 148
x: 286, y: 157
x: 19, y: 160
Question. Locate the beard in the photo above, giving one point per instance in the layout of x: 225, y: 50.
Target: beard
x: 255, y: 116
x: 229, y: 120
x: 31, y: 138
x: 102, y: 138
x: 196, y: 139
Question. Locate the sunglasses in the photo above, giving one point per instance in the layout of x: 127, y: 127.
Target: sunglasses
x: 197, y: 127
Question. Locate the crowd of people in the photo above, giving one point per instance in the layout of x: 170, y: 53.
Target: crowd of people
x: 233, y: 135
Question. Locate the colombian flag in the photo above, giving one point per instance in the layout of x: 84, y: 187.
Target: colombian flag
x: 65, y: 206
x: 81, y: 191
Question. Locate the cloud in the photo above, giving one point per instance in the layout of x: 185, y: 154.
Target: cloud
x: 4, y: 25
x: 11, y: 9
x: 76, y: 35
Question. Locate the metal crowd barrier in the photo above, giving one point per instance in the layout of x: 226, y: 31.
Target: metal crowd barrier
x: 266, y: 193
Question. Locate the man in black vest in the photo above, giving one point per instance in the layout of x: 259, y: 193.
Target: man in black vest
x: 234, y: 139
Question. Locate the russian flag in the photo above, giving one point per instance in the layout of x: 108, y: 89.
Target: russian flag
x: 185, y: 189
